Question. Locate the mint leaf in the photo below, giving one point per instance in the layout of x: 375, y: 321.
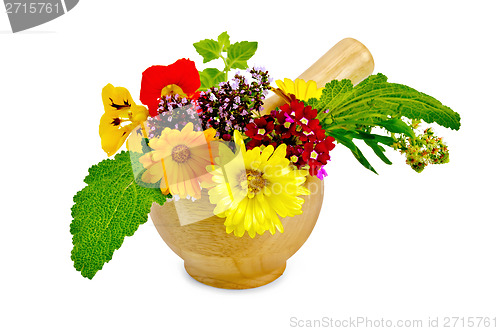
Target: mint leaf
x: 211, y: 77
x: 209, y: 49
x: 223, y: 40
x: 374, y: 99
x: 239, y: 53
x: 234, y: 56
x: 109, y: 208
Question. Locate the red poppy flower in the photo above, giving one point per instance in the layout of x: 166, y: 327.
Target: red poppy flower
x: 181, y: 78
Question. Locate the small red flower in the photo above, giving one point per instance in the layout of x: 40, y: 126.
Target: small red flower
x: 296, y: 125
x: 182, y: 73
x: 317, y: 154
x: 294, y: 154
x: 260, y: 127
x: 301, y: 121
x: 260, y: 132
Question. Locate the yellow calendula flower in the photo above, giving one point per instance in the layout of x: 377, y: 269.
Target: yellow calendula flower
x: 252, y: 194
x: 179, y: 159
x: 121, y: 116
x: 302, y: 90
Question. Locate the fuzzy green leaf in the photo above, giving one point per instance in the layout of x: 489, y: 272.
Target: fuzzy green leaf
x: 375, y: 100
x: 209, y: 49
x: 239, y: 53
x: 211, y: 77
x: 223, y: 40
x: 109, y: 208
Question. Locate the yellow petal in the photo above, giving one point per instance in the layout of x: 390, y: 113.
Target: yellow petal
x: 139, y: 114
x: 134, y: 142
x: 238, y: 139
x: 172, y: 89
x: 116, y: 99
x: 113, y: 135
x: 301, y: 89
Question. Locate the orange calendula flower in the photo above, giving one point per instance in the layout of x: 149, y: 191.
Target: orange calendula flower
x: 121, y: 116
x: 179, y: 159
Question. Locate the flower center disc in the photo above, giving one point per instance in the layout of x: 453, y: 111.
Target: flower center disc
x: 255, y: 181
x: 180, y: 153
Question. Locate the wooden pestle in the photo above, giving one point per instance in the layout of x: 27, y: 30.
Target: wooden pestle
x: 347, y: 59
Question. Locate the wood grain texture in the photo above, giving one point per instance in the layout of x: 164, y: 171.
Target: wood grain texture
x: 223, y: 260
x: 348, y: 59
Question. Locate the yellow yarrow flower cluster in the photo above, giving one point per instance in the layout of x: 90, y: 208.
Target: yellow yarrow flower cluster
x: 253, y: 193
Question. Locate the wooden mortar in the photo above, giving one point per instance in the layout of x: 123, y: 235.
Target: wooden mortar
x: 223, y: 260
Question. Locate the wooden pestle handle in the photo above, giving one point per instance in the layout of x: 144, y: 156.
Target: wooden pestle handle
x: 347, y: 59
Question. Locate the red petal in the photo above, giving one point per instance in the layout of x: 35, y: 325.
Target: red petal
x: 285, y: 108
x: 324, y: 158
x: 314, y: 167
x: 182, y: 73
x: 260, y: 122
x: 321, y: 147
x: 329, y: 142
x: 310, y: 113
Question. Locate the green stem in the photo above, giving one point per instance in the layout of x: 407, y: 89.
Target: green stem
x: 226, y: 68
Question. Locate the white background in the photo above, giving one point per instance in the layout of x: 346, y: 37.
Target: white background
x: 399, y: 245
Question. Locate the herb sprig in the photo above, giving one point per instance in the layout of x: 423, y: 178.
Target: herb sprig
x: 234, y: 56
x: 349, y: 112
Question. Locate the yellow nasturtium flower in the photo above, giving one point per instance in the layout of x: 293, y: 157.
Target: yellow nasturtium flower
x: 302, y: 90
x: 121, y: 116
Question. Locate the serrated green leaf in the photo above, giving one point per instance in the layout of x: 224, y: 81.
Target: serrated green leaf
x: 109, y: 208
x: 347, y: 112
x: 209, y: 49
x: 239, y: 53
x: 223, y: 40
x: 316, y: 104
x: 211, y: 77
x: 335, y: 94
x: 375, y: 100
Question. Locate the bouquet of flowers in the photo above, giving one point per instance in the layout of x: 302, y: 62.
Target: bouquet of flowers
x: 207, y: 134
